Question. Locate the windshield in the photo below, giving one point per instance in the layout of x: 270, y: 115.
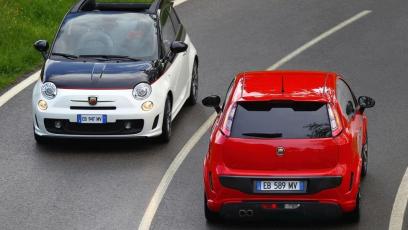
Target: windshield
x: 115, y: 34
x: 281, y: 120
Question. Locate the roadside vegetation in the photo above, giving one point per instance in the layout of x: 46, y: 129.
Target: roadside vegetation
x: 22, y: 22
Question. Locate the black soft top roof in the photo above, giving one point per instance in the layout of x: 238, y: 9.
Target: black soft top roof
x: 91, y: 5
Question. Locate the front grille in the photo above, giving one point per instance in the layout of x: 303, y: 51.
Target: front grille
x: 72, y: 128
x: 93, y: 108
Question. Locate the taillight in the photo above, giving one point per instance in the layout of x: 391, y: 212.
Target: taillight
x: 335, y: 122
x: 228, y: 119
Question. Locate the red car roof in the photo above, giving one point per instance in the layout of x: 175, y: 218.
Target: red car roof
x: 287, y: 85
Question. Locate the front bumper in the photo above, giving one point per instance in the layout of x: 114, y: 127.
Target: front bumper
x: 117, y: 129
x: 119, y: 106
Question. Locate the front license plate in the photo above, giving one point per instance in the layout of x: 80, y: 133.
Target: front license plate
x: 280, y: 186
x: 91, y: 119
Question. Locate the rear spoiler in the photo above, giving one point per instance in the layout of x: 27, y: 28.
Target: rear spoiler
x: 280, y: 97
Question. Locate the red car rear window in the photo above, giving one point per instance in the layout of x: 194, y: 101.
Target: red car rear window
x: 281, y: 120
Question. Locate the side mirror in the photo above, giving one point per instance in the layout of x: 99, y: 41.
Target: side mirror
x: 365, y: 102
x: 178, y: 47
x: 213, y: 101
x: 42, y: 46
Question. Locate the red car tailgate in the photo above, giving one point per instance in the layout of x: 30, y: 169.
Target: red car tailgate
x: 261, y: 154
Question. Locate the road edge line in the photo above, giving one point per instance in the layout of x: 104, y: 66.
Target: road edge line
x: 4, y: 98
x: 171, y: 171
x: 400, y: 205
x: 179, y: 2
x: 161, y: 189
x: 318, y: 39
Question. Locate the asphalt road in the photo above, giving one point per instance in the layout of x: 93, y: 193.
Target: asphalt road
x: 107, y: 185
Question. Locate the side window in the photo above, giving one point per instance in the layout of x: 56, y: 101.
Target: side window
x: 167, y: 30
x: 175, y: 20
x: 346, y: 99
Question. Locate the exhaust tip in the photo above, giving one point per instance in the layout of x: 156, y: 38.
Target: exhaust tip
x: 250, y: 212
x: 246, y: 213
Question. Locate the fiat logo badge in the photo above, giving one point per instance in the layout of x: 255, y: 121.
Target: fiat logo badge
x: 92, y: 100
x: 280, y: 151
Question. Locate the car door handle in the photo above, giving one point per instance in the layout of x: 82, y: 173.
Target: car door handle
x: 185, y: 53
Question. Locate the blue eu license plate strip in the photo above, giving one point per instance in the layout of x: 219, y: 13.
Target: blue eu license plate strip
x: 280, y: 186
x: 92, y: 119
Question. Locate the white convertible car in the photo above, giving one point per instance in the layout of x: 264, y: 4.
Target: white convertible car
x: 115, y: 70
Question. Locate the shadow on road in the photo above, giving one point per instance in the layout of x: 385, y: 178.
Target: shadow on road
x: 282, y: 222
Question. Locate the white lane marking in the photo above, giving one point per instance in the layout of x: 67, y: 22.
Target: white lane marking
x: 318, y: 39
x: 31, y: 79
x: 400, y: 205
x: 18, y: 88
x: 178, y: 2
x: 168, y: 176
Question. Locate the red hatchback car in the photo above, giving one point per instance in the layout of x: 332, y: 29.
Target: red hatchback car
x: 286, y: 142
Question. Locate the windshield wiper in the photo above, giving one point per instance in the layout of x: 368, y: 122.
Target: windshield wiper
x: 110, y: 57
x: 265, y: 135
x: 69, y: 56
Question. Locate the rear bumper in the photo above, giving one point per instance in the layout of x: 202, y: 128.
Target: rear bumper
x: 280, y: 208
x: 326, y: 191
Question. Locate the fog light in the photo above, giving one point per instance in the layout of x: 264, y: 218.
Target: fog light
x: 128, y: 125
x: 42, y: 105
x: 58, y: 124
x: 147, y: 106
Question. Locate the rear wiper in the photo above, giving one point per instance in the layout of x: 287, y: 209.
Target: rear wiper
x: 110, y: 57
x: 69, y: 56
x: 265, y: 135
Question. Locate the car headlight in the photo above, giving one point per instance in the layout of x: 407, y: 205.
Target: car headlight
x: 49, y: 90
x: 142, y: 91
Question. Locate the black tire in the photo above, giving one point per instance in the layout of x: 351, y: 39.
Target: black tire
x: 364, y: 156
x: 166, y: 125
x: 192, y: 100
x: 354, y: 216
x: 210, y: 216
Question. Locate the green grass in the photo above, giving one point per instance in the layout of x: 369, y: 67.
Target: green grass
x: 22, y: 22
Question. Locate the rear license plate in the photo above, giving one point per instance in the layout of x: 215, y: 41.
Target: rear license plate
x: 91, y: 119
x: 280, y: 186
